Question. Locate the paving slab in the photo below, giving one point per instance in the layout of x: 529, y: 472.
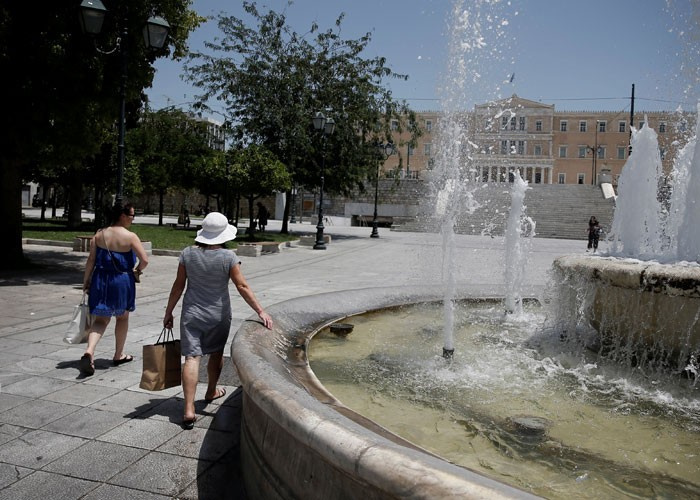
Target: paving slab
x: 96, y: 461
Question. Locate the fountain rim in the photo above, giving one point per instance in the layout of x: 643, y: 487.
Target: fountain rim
x: 276, y: 378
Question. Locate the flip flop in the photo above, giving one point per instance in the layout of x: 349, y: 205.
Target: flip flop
x: 188, y: 423
x: 220, y: 393
x: 85, y: 365
x: 123, y: 360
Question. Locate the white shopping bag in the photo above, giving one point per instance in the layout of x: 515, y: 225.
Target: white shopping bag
x: 79, y: 326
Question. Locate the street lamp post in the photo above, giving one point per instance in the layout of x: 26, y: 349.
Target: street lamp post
x: 385, y: 150
x: 326, y: 126
x: 155, y: 31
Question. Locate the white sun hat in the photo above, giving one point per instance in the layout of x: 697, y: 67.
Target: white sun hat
x: 215, y: 230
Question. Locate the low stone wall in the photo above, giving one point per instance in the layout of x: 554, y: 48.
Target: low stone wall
x: 298, y: 441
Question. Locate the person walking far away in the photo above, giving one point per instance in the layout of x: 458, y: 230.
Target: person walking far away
x: 205, y: 269
x: 110, y: 281
x: 263, y: 215
x: 593, y: 234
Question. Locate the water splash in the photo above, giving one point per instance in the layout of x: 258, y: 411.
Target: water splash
x: 688, y: 248
x: 637, y: 222
x: 520, y: 230
x: 641, y: 228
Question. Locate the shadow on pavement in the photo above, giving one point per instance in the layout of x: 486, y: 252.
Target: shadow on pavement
x: 47, y: 267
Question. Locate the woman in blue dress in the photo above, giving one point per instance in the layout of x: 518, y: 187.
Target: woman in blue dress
x: 206, y: 269
x: 116, y: 256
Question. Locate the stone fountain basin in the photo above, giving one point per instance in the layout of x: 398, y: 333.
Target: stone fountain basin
x: 643, y: 304
x: 298, y: 441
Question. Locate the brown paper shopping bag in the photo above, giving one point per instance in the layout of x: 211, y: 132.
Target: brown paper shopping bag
x: 161, y: 363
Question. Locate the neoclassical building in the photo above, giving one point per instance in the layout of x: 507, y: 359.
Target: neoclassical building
x: 545, y: 145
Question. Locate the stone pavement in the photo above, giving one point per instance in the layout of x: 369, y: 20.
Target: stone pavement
x: 64, y: 436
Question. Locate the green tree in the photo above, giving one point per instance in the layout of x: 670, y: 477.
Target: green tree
x: 63, y: 94
x: 272, y: 81
x: 166, y: 150
x: 258, y: 173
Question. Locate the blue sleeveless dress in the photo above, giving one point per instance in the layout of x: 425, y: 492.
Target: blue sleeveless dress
x: 112, y: 289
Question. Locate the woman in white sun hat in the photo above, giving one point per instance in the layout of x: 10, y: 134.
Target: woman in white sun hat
x: 205, y: 269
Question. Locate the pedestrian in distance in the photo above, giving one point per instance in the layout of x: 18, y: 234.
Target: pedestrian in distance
x: 203, y: 274
x: 263, y: 215
x: 593, y: 234
x: 113, y: 266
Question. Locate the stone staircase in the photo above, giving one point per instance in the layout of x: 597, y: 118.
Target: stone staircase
x: 559, y: 210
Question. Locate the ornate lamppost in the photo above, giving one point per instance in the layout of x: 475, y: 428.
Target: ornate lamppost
x: 155, y: 32
x: 386, y: 150
x: 326, y: 126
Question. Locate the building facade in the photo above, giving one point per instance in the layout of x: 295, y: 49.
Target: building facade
x: 545, y: 145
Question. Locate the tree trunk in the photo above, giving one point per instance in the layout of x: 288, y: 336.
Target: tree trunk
x: 11, y: 255
x: 161, y: 196
x: 44, y: 192
x: 75, y: 199
x: 287, y: 203
x: 251, y: 228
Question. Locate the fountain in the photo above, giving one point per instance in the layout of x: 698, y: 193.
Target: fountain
x: 331, y: 449
x: 643, y: 296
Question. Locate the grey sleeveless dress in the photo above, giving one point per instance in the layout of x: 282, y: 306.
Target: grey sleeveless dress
x: 206, y: 308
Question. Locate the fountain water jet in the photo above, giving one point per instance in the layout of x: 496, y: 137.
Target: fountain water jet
x: 520, y: 230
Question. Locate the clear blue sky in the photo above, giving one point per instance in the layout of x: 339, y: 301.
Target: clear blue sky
x: 561, y: 52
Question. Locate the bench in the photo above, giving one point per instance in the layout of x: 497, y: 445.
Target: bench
x: 177, y: 225
x: 258, y: 249
x: 82, y: 243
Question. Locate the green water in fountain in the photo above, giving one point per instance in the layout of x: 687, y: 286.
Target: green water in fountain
x: 518, y: 403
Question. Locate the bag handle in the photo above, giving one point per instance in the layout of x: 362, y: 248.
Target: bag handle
x: 166, y: 334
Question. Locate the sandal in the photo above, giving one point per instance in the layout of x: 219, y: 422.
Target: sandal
x: 85, y: 365
x: 219, y: 393
x: 125, y: 359
x: 188, y: 423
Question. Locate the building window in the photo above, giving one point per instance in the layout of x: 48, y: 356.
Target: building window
x: 410, y: 150
x: 601, y: 152
x: 582, y: 151
x: 581, y: 178
x: 394, y: 124
x: 582, y: 126
x: 562, y: 151
x: 641, y: 125
x: 621, y: 152
x: 512, y: 123
x: 504, y: 123
x: 521, y: 147
x: 602, y: 126
x: 521, y: 123
x: 621, y: 127
x: 563, y: 125
x: 504, y: 147
x: 427, y: 149
x: 512, y: 147
x: 538, y: 150
x: 538, y: 125
x: 429, y: 125
x: 662, y: 153
x: 562, y: 178
x: 683, y: 126
x: 538, y: 177
x: 662, y: 127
